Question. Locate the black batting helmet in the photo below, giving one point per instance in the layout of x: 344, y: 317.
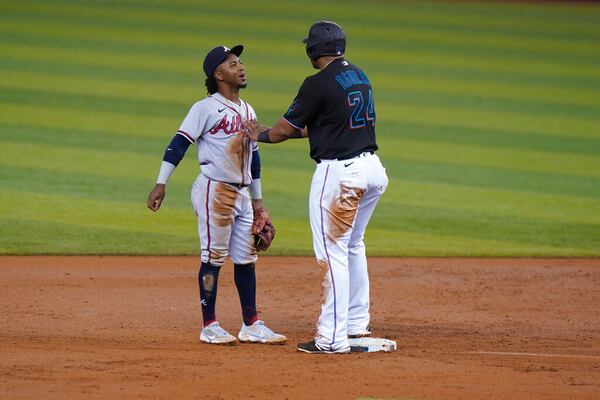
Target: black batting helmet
x: 325, y: 38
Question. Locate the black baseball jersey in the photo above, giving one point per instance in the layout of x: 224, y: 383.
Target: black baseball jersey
x: 336, y: 105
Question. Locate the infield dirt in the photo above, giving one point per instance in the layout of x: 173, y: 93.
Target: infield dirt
x: 127, y: 327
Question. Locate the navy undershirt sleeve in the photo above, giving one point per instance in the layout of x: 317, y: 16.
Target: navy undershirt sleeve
x: 255, y: 166
x: 176, y: 149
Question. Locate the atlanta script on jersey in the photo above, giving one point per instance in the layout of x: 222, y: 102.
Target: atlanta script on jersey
x: 213, y: 124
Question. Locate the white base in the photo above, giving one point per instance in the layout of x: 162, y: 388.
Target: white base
x: 371, y: 344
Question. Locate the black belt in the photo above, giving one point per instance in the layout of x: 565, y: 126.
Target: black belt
x: 236, y: 185
x: 354, y: 155
x: 348, y: 157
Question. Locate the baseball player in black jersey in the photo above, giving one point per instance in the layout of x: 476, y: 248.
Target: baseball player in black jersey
x: 335, y: 110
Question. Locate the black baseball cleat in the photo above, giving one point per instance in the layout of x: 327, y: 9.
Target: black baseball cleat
x: 312, y: 348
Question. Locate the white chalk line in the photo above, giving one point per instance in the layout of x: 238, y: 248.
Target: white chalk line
x: 505, y: 353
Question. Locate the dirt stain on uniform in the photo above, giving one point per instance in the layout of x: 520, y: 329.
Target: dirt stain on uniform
x: 218, y: 257
x: 342, y: 211
x: 253, y: 252
x: 324, y: 267
x: 208, y: 284
x: 223, y: 203
x: 236, y: 149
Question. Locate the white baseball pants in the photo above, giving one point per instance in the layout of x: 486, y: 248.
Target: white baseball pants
x: 224, y: 222
x: 343, y: 196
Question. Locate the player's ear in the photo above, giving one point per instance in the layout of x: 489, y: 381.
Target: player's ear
x: 218, y: 75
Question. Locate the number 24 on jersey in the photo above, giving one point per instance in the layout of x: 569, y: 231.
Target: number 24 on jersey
x: 361, y: 112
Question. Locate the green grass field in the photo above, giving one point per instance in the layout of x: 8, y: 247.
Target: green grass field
x: 488, y: 122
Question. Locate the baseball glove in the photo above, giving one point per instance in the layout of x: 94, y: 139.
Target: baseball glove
x: 263, y: 229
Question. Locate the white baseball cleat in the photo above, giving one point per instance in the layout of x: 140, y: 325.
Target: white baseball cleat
x: 214, y: 334
x: 258, y: 332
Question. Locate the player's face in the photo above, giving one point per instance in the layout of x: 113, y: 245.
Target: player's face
x: 232, y: 71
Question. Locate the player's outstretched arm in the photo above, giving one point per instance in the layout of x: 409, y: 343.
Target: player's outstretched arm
x: 280, y: 132
x: 173, y: 155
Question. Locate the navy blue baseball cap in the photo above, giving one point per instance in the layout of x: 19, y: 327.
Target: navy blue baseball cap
x: 217, y: 55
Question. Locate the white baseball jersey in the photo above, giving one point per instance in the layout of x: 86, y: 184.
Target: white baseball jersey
x: 213, y: 124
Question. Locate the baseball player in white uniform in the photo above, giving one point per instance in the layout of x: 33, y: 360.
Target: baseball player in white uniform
x: 230, y: 165
x: 335, y: 109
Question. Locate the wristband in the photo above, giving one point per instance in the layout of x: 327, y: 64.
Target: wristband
x: 255, y: 189
x: 264, y: 136
x: 166, y: 169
